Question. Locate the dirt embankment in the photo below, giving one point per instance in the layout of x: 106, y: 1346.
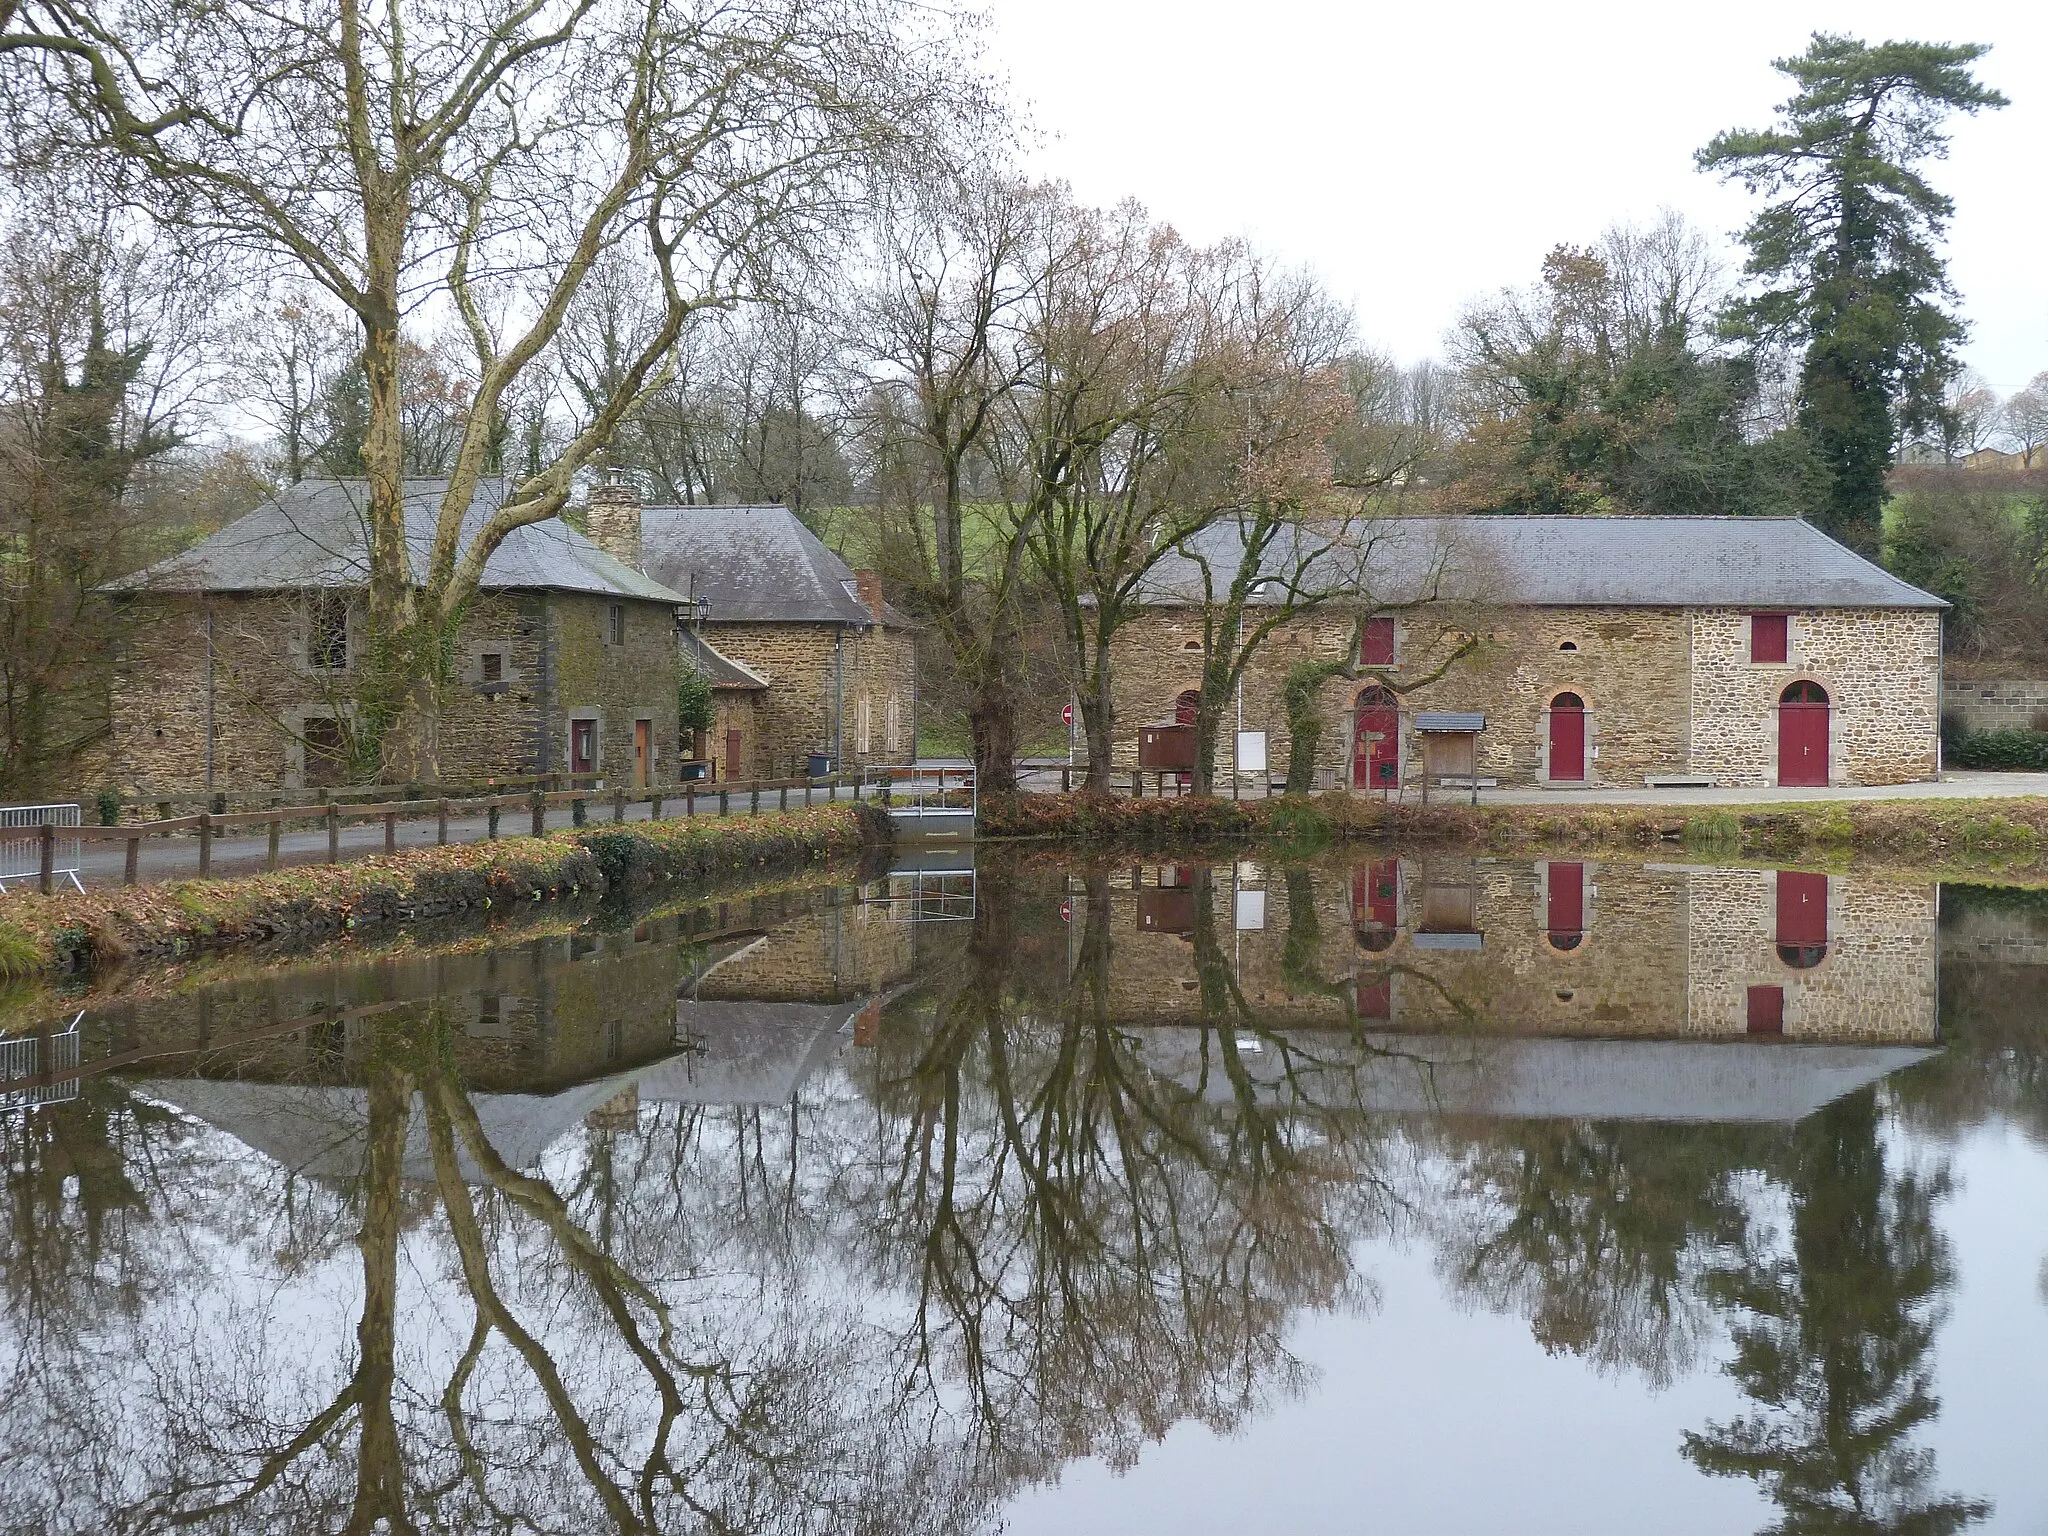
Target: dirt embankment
x: 70, y: 934
x: 1937, y: 834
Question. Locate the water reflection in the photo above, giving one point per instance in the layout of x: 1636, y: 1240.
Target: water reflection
x: 863, y: 1209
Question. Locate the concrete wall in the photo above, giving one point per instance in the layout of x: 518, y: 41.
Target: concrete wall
x: 1667, y: 691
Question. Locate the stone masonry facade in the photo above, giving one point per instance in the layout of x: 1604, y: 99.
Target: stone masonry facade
x: 2016, y: 704
x: 824, y: 679
x: 1667, y: 691
x: 525, y: 666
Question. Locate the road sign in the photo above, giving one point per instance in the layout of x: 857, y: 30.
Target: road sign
x: 1066, y: 714
x: 1067, y: 911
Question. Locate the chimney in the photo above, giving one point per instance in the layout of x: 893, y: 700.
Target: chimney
x: 612, y: 516
x: 869, y: 585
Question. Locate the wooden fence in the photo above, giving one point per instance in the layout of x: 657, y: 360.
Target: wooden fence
x: 684, y: 799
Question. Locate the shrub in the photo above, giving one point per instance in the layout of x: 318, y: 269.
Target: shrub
x: 2011, y: 751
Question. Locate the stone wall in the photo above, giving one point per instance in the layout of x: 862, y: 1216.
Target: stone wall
x: 1667, y: 691
x: 1881, y: 669
x: 820, y: 675
x: 555, y: 662
x: 2016, y: 704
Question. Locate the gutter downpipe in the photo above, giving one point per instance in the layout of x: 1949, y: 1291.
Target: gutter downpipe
x: 1940, y: 690
x: 209, y: 705
x: 839, y: 699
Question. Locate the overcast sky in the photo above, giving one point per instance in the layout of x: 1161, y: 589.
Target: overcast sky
x: 1418, y: 155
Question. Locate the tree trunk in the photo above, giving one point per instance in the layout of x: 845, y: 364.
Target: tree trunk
x: 992, y: 721
x: 380, y: 1468
x: 1098, y: 724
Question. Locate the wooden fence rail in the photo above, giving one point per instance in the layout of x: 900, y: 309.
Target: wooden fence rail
x: 751, y: 797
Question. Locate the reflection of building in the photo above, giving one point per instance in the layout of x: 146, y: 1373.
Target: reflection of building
x: 1555, y: 948
x: 732, y: 1003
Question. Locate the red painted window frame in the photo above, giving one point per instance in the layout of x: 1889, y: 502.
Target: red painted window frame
x: 1770, y: 632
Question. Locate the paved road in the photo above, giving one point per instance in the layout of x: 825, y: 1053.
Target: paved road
x: 245, y: 853
x: 1951, y: 786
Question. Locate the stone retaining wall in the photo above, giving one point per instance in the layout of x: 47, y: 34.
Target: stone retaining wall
x: 2013, y: 704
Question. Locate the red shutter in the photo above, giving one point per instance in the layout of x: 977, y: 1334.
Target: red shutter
x: 1766, y: 1010
x: 1376, y: 644
x: 1767, y: 637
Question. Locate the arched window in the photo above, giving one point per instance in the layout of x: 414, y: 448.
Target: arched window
x: 1804, y: 693
x: 1186, y: 707
x: 1568, y: 645
x: 1377, y: 698
x: 1567, y: 701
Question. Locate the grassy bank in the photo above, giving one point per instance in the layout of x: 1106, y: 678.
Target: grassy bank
x: 1936, y: 832
x: 71, y: 934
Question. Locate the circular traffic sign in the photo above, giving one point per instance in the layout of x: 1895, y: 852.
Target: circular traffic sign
x: 1066, y: 714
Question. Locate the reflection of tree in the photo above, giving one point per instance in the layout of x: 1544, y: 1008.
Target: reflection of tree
x: 1596, y: 1231
x: 1833, y: 1338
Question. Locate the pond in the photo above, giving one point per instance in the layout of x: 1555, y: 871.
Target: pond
x: 1405, y: 1192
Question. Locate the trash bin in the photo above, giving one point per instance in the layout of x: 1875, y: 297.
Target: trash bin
x: 820, y: 765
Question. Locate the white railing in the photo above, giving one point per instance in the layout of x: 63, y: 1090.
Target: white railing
x: 24, y: 1059
x: 924, y: 896
x: 929, y: 792
x: 21, y: 857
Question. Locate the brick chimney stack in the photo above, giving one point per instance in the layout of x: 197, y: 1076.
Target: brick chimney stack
x: 612, y: 516
x: 869, y: 585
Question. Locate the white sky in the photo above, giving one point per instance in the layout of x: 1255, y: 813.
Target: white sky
x: 1419, y: 155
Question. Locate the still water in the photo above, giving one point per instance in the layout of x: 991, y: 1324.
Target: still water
x: 1409, y: 1195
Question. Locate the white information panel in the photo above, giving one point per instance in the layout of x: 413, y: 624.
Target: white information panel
x: 1251, y: 751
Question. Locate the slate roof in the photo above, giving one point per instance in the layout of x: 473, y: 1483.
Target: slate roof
x: 315, y: 534
x: 747, y: 1052
x: 757, y: 565
x: 1622, y: 562
x: 723, y: 671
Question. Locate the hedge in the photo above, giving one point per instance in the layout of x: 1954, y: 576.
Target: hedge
x: 2010, y: 751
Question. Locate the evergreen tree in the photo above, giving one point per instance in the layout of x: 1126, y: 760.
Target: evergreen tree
x: 1846, y: 254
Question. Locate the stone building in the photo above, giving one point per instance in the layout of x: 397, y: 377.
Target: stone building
x: 733, y: 747
x: 1623, y: 650
x: 840, y: 663
x: 243, y: 656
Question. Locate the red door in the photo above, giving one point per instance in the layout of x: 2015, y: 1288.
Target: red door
x: 1803, y: 735
x: 1802, y: 918
x: 1766, y: 1010
x: 1376, y: 894
x: 1567, y: 738
x: 1564, y: 916
x: 1376, y: 744
x: 735, y: 753
x: 1376, y: 996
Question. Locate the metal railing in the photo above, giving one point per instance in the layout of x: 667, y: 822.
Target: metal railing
x: 30, y: 1064
x: 32, y: 849
x: 926, y: 791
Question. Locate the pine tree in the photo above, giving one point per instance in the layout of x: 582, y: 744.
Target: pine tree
x: 1846, y: 256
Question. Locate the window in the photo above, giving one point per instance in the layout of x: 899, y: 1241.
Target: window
x: 583, y: 746
x: 892, y: 727
x: 1376, y: 643
x: 327, y: 632
x: 1568, y: 645
x: 864, y: 718
x: 1769, y: 637
x: 616, y: 622
x: 494, y: 666
x: 326, y: 753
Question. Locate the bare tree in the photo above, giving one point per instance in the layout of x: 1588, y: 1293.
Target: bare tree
x: 480, y: 161
x: 2026, y: 419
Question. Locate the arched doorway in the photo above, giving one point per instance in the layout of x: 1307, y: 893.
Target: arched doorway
x: 1376, y: 740
x: 1186, y: 707
x: 1802, y: 919
x: 1564, y: 905
x: 1567, y: 739
x: 1803, y: 734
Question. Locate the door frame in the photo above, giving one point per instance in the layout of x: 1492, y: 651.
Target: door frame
x: 1585, y: 717
x: 1810, y: 713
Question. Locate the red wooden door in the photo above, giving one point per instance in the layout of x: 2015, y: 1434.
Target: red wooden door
x: 1803, y: 735
x: 1766, y: 1010
x: 735, y: 748
x: 1564, y: 901
x: 1567, y: 738
x: 643, y: 753
x: 1376, y: 746
x: 1801, y: 910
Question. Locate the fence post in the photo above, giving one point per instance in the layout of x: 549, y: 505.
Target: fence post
x: 276, y: 824
x: 722, y: 803
x: 133, y: 858
x: 618, y: 805
x: 807, y: 792
x: 754, y: 800
x: 689, y: 799
x: 441, y: 820
x: 579, y: 812
x: 540, y: 813
x: 1066, y: 781
x: 205, y: 844
x: 47, y: 876
x: 391, y: 831
x: 654, y: 810
x: 491, y: 822
x: 333, y: 833
x: 783, y: 803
